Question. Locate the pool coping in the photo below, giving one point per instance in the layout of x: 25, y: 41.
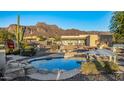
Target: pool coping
x: 52, y: 76
x: 60, y: 75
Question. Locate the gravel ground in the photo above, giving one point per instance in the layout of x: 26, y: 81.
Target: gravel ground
x: 80, y: 77
x: 101, y: 77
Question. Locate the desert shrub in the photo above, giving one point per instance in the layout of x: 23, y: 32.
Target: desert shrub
x: 96, y: 67
x: 111, y: 67
x: 108, y: 67
x: 28, y: 47
x: 9, y: 51
x: 16, y: 51
x: 89, y: 68
x: 114, y: 66
x: 99, y: 64
x: 28, y: 51
x: 55, y: 47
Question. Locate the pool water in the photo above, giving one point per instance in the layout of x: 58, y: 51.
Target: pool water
x: 56, y: 64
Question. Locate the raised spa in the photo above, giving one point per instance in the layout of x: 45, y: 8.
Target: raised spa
x: 56, y: 64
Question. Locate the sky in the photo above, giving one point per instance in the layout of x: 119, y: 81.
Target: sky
x: 82, y: 20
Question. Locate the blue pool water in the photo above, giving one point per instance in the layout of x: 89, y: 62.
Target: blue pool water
x: 56, y: 64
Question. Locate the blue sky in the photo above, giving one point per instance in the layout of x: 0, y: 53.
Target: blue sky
x: 82, y: 20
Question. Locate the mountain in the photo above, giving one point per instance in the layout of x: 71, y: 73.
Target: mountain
x: 43, y: 29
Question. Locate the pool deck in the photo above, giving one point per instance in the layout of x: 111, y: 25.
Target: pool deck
x: 57, y: 76
x: 46, y: 76
x: 54, y: 76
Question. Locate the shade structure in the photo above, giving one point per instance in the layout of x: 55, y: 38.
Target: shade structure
x: 100, y: 52
x: 118, y: 45
x: 103, y: 52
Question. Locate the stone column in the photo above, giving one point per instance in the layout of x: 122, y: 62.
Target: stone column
x: 115, y: 59
x: 2, y: 58
x: 110, y: 58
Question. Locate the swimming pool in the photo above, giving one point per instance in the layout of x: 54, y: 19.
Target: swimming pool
x: 56, y: 64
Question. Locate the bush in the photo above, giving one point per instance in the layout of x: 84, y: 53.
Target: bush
x: 111, y: 67
x: 96, y: 67
x: 114, y: 66
x: 16, y: 52
x: 28, y: 47
x: 28, y: 51
x: 55, y: 47
x: 89, y: 68
x: 100, y: 65
x: 9, y: 51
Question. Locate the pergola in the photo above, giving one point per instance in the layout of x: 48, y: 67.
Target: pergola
x: 103, y: 53
x: 116, y: 46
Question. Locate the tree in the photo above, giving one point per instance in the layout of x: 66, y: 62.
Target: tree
x: 117, y: 26
x: 42, y: 38
x: 57, y: 38
x: 5, y: 35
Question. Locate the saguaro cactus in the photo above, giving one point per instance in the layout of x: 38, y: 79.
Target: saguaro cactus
x: 19, y: 33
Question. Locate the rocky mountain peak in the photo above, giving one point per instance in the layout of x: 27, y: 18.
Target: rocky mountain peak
x: 43, y: 29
